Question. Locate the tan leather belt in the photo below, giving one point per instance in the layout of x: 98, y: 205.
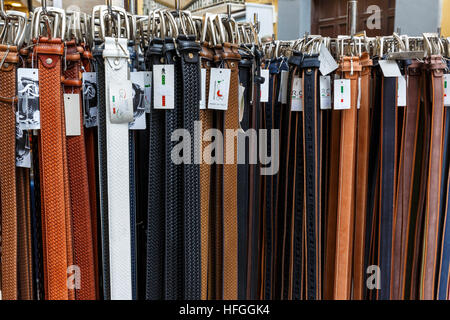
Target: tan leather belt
x: 362, y: 163
x: 78, y: 183
x: 9, y: 227
x: 351, y: 68
x: 56, y: 224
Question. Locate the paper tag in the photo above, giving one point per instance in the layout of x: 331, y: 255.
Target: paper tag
x: 282, y: 96
x: 90, y: 99
x: 120, y: 101
x: 241, y: 102
x: 164, y: 86
x: 297, y: 95
x: 219, y: 85
x: 327, y: 62
x: 203, y: 89
x: 147, y: 90
x: 138, y: 84
x: 72, y: 114
x: 265, y: 85
x: 325, y: 92
x: 390, y: 68
x: 23, y: 148
x: 342, y: 95
x: 358, y: 101
x: 401, y: 91
x: 446, y: 90
x: 28, y: 114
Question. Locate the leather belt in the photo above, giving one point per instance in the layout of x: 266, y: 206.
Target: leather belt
x: 362, y: 162
x: 351, y: 68
x: 54, y: 184
x: 432, y: 206
x: 116, y: 67
x: 190, y: 77
x: 78, y: 183
x: 9, y: 225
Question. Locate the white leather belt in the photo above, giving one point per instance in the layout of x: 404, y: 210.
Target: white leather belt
x: 116, y: 69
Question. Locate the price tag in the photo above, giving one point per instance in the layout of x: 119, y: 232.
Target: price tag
x: 23, y: 147
x: 219, y: 86
x: 90, y: 99
x: 138, y: 82
x: 147, y: 90
x: 72, y: 114
x: 401, y: 91
x: 203, y: 89
x: 358, y: 101
x: 390, y: 68
x: 297, y: 95
x: 446, y: 90
x: 265, y: 85
x: 241, y: 102
x: 164, y: 87
x: 325, y: 92
x: 282, y: 96
x: 121, y: 101
x: 327, y: 62
x: 28, y: 114
x: 342, y: 95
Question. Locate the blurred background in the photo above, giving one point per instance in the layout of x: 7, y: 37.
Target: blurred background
x: 290, y: 19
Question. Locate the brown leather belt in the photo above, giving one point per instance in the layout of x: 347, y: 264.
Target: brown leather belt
x: 351, y: 68
x: 56, y: 225
x: 9, y: 227
x: 78, y: 183
x: 432, y: 207
x: 362, y: 163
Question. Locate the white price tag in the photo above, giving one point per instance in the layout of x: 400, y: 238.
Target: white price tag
x: 219, y: 86
x: 327, y: 62
x: 28, y: 114
x: 401, y: 91
x: 72, y: 114
x: 282, y: 97
x: 138, y: 81
x: 121, y: 101
x: 342, y: 96
x: 164, y: 86
x: 358, y: 102
x: 446, y: 90
x: 265, y: 85
x: 297, y: 95
x: 241, y: 102
x: 203, y: 89
x: 390, y: 68
x: 90, y: 99
x: 147, y: 90
x: 325, y: 92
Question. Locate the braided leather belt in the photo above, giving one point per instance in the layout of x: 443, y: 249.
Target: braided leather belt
x: 9, y: 214
x: 78, y: 183
x: 117, y: 144
x: 54, y: 183
x: 351, y: 68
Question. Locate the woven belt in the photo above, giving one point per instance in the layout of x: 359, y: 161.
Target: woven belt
x: 206, y: 118
x: 156, y: 183
x: 9, y: 226
x: 190, y: 66
x: 351, y: 68
x: 54, y: 183
x: 116, y: 69
x: 78, y: 184
x: 431, y: 224
x: 102, y: 172
x: 362, y: 163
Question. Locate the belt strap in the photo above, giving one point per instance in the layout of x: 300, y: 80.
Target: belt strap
x: 428, y: 274
x: 9, y: 227
x: 78, y: 183
x: 351, y: 68
x: 56, y: 209
x: 362, y: 163
x: 116, y: 69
